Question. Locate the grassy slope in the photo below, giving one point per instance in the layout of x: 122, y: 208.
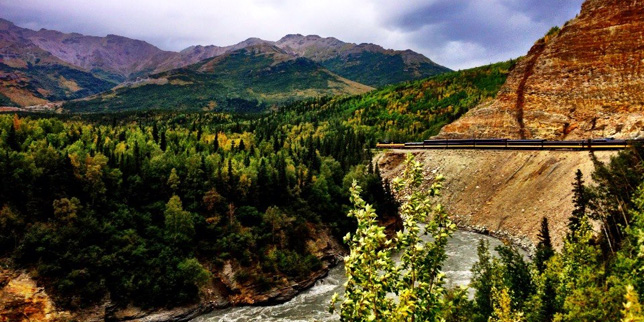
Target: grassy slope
x: 242, y: 82
x: 82, y: 83
x: 403, y: 112
x: 409, y: 111
x: 377, y: 70
x: 54, y: 82
x: 5, y: 101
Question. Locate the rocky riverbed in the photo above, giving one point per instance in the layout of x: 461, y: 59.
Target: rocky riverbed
x: 313, y: 304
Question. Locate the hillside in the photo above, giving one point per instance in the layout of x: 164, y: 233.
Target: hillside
x: 47, y: 65
x: 30, y: 75
x: 113, y: 57
x: 246, y: 80
x: 411, y: 111
x: 265, y: 193
x: 364, y: 63
x: 583, y: 81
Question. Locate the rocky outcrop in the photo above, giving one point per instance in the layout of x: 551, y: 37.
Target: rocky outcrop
x: 250, y: 292
x: 586, y: 81
x: 22, y: 300
x: 503, y: 193
x: 368, y: 64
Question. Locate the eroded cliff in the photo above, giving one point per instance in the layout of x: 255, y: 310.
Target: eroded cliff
x: 22, y: 300
x: 585, y: 81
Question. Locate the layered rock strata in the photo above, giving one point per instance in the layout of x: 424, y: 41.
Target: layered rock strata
x: 586, y: 81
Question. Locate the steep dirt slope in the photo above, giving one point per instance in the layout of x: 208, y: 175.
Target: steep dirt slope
x: 505, y: 193
x: 585, y: 81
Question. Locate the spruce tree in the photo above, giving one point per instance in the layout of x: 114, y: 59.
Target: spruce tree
x: 544, y: 247
x: 163, y: 144
x: 580, y: 201
x: 155, y: 132
x: 516, y: 275
x: 215, y: 143
x: 12, y: 139
x: 485, y: 278
x: 549, y: 306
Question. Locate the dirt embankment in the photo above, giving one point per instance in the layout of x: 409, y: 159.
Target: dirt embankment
x: 504, y: 193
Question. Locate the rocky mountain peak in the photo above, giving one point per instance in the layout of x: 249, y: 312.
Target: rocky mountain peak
x: 250, y: 41
x: 290, y: 37
x: 198, y: 48
x: 586, y: 81
x: 6, y: 24
x: 120, y: 60
x: 264, y: 48
x: 306, y: 44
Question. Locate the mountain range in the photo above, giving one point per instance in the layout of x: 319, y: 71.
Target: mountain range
x: 43, y: 66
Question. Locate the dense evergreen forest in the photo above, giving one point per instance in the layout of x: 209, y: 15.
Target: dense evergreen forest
x: 143, y: 207
x: 133, y: 208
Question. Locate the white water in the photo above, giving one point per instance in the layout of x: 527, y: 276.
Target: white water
x: 313, y: 304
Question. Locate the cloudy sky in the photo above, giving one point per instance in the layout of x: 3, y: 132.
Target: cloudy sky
x: 455, y: 33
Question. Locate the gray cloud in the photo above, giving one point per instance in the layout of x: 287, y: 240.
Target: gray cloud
x: 455, y: 33
x: 545, y: 10
x: 432, y: 13
x: 464, y: 33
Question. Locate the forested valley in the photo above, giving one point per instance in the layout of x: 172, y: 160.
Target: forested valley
x: 142, y: 207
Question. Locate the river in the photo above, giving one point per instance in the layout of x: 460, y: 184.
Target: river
x: 312, y: 304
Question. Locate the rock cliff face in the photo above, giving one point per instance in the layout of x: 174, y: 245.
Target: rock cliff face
x: 586, y: 81
x: 22, y: 300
